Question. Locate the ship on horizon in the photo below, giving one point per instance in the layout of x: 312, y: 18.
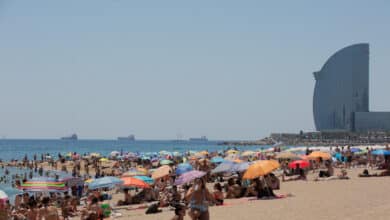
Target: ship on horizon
x: 201, y: 139
x: 128, y: 138
x: 71, y: 137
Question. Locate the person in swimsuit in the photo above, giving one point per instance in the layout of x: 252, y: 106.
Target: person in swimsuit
x: 218, y: 194
x: 199, y: 197
x: 48, y: 212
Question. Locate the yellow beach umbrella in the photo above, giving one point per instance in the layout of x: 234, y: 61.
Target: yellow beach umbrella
x: 319, y: 154
x: 89, y: 180
x: 104, y: 160
x: 261, y: 168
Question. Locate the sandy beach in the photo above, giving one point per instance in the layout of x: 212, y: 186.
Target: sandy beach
x: 356, y: 198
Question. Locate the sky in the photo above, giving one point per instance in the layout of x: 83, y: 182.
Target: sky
x: 167, y: 69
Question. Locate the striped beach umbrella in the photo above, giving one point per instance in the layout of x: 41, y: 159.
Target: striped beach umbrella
x: 43, y: 185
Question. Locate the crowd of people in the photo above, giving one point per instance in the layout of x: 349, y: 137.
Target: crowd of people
x: 195, y: 196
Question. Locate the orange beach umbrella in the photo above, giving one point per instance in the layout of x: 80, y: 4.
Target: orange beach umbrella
x: 134, y: 182
x: 261, y: 168
x: 319, y: 154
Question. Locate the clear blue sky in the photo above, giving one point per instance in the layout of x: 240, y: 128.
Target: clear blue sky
x: 225, y: 69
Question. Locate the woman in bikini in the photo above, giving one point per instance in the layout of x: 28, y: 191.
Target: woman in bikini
x: 199, y: 197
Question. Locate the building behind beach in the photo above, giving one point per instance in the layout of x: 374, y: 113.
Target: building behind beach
x: 341, y: 94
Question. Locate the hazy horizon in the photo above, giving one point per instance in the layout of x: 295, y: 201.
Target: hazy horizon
x: 171, y: 69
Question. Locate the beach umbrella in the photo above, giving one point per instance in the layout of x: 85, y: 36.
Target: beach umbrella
x: 104, y: 182
x: 146, y: 179
x: 301, y: 163
x: 95, y: 155
x: 134, y: 182
x: 248, y: 153
x: 189, y: 176
x: 238, y: 161
x: 355, y: 150
x: 161, y: 172
x: 287, y: 155
x: 43, y: 184
x: 166, y: 162
x: 240, y: 167
x: 71, y: 181
x: 115, y: 153
x: 217, y: 160
x: 183, y: 168
x: 261, y: 168
x: 319, y: 154
x: 3, y: 196
x: 231, y: 157
x: 232, y: 152
x: 381, y: 152
x: 135, y: 172
x: 104, y: 160
x: 224, y: 167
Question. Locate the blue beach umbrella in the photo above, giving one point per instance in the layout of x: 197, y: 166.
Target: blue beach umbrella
x: 354, y: 150
x: 240, y: 167
x: 183, y: 168
x: 104, y: 182
x: 381, y: 152
x: 217, y: 160
x: 224, y: 167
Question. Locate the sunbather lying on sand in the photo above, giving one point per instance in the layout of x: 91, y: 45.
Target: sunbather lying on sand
x: 366, y: 174
x: 341, y: 176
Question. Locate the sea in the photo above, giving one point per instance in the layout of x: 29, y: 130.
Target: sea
x: 17, y: 149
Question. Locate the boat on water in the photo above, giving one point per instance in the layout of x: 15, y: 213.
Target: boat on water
x: 71, y: 137
x: 128, y: 138
x: 201, y: 139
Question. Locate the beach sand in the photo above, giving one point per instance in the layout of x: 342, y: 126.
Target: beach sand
x: 357, y: 198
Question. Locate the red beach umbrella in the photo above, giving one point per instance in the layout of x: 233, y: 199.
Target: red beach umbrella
x: 300, y: 163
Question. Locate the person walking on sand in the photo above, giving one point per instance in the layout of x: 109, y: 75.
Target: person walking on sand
x: 199, y: 198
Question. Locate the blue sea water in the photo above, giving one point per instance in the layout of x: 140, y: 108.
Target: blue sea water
x: 17, y: 149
